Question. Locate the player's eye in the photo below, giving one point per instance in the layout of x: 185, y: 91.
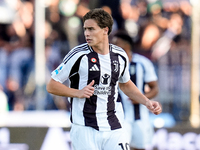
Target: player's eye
x: 90, y: 29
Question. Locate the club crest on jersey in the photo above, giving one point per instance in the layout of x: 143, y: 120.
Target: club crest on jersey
x: 93, y: 60
x: 116, y: 65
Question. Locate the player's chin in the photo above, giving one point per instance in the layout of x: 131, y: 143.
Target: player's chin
x: 90, y: 44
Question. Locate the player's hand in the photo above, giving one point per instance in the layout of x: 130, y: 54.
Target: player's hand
x: 154, y: 106
x: 87, y: 91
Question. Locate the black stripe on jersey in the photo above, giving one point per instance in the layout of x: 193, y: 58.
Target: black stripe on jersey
x: 112, y: 118
x: 143, y: 77
x: 134, y: 78
x: 121, y: 50
x: 83, y: 47
x: 137, y: 111
x: 91, y: 103
x: 74, y: 79
x: 117, y: 48
x: 90, y: 48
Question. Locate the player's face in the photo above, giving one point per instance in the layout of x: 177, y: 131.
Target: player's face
x: 94, y: 35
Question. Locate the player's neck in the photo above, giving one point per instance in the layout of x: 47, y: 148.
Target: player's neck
x: 129, y: 54
x: 102, y: 48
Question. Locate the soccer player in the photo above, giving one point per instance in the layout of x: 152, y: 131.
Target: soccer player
x: 95, y: 69
x: 142, y: 73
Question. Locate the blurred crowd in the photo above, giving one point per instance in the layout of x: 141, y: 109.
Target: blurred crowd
x: 159, y: 28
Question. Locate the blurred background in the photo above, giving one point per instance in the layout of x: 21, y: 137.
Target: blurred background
x: 35, y: 35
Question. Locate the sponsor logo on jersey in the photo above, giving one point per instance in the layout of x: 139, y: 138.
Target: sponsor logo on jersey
x: 94, y: 68
x: 102, y: 90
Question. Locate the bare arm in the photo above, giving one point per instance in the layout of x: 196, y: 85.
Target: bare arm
x: 134, y: 94
x: 153, y: 90
x: 60, y: 89
x: 130, y: 89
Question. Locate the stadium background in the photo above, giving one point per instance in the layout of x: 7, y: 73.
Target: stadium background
x: 35, y: 36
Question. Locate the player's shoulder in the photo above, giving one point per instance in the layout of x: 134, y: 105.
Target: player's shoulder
x: 78, y: 51
x: 117, y: 49
x: 140, y: 58
x: 81, y: 48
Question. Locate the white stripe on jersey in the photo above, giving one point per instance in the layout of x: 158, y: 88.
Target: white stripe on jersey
x: 104, y: 60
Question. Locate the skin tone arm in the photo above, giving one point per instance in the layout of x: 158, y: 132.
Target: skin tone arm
x: 153, y: 90
x: 128, y: 88
x: 60, y: 89
x: 133, y: 93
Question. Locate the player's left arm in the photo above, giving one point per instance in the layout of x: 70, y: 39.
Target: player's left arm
x: 130, y: 89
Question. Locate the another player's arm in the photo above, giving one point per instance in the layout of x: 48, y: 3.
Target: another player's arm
x: 130, y: 89
x: 152, y: 89
x: 57, y: 88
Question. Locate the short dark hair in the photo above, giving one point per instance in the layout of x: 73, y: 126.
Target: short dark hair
x: 124, y: 36
x: 102, y: 18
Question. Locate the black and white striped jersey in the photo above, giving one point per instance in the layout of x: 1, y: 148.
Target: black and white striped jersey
x: 102, y: 111
x: 141, y: 72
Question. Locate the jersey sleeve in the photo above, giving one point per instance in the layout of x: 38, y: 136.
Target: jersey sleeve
x: 125, y: 77
x: 150, y: 74
x: 62, y: 72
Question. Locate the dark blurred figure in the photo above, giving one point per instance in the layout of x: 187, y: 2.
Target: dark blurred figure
x: 114, y: 5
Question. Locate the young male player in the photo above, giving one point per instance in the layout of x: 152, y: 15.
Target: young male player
x: 95, y: 70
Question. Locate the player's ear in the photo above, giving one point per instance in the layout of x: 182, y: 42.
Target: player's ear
x: 106, y: 30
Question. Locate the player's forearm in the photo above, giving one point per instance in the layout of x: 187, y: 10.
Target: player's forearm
x: 151, y: 94
x: 60, y: 89
x: 133, y: 92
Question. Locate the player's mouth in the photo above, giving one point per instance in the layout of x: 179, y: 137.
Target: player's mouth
x: 88, y: 40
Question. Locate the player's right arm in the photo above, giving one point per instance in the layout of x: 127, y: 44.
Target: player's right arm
x: 57, y: 88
